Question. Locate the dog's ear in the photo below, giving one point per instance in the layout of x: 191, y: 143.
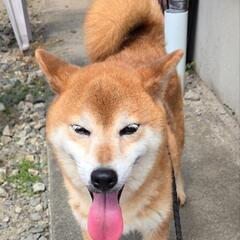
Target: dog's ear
x: 157, y: 75
x: 56, y: 70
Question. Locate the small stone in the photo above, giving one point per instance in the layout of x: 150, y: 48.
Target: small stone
x: 3, y: 192
x: 28, y: 129
x: 45, y: 204
x: 4, y: 49
x: 42, y: 238
x: 18, y: 210
x: 35, y: 116
x: 36, y: 236
x: 14, y: 172
x: 37, y: 229
x: 39, y: 208
x: 2, y: 107
x: 41, y: 115
x: 39, y: 106
x: 29, y: 158
x: 21, y: 142
x: 198, y: 112
x: 33, y: 172
x: 6, y: 131
x: 6, y: 219
x: 28, y: 106
x: 4, y: 67
x: 223, y: 112
x: 23, y: 137
x: 3, y: 173
x: 32, y: 76
x: 29, y: 98
x: 21, y: 105
x: 30, y: 237
x: 32, y: 148
x: 39, y: 125
x: 34, y: 202
x: 38, y: 187
x: 6, y: 139
x: 39, y: 73
x: 42, y: 131
x: 35, y: 216
x: 191, y: 96
x: 3, y: 226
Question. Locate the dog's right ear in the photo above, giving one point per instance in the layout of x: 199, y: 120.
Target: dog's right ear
x: 156, y: 75
x: 56, y: 70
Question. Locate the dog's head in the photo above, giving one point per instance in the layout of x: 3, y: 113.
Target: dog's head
x: 107, y: 120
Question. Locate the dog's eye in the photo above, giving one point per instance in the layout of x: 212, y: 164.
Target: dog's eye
x: 80, y: 130
x: 130, y: 129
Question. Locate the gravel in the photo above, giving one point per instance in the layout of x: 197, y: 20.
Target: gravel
x: 192, y: 96
x: 3, y: 192
x: 3, y: 173
x: 6, y: 131
x: 2, y: 107
x: 23, y: 160
x: 18, y: 210
x: 35, y: 216
x: 39, y: 208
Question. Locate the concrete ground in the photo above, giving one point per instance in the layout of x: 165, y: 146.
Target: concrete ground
x: 211, y: 161
x: 64, y: 33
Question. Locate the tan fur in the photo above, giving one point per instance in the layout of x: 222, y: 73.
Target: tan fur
x: 135, y: 77
x: 104, y: 154
x: 107, y: 25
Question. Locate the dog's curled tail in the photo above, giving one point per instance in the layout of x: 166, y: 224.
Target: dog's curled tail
x: 109, y: 23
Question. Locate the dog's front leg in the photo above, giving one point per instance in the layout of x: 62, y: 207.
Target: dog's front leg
x: 160, y: 233
x: 86, y: 236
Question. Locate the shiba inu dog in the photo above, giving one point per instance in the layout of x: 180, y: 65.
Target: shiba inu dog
x: 114, y: 121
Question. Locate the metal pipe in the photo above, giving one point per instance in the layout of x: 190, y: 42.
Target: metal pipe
x: 176, y: 18
x: 178, y: 5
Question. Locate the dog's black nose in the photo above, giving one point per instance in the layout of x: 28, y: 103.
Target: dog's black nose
x: 104, y: 179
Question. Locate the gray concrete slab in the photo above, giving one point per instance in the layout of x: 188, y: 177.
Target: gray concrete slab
x: 62, y: 223
x: 211, y: 161
x: 63, y: 21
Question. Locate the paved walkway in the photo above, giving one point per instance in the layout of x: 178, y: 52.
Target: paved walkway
x: 63, y: 19
x: 211, y: 162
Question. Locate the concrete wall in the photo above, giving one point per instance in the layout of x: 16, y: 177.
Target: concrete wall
x: 217, y: 50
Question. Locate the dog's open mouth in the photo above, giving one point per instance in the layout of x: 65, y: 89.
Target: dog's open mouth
x: 119, y: 193
x: 105, y: 221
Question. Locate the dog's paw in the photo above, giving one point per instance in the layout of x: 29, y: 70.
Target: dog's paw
x: 182, y: 198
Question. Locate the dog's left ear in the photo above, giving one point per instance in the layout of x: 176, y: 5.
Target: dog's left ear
x: 57, y: 71
x: 157, y: 75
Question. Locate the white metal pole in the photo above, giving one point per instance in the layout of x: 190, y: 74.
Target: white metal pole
x: 18, y: 15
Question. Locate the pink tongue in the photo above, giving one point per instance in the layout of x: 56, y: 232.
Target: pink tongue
x: 105, y: 217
